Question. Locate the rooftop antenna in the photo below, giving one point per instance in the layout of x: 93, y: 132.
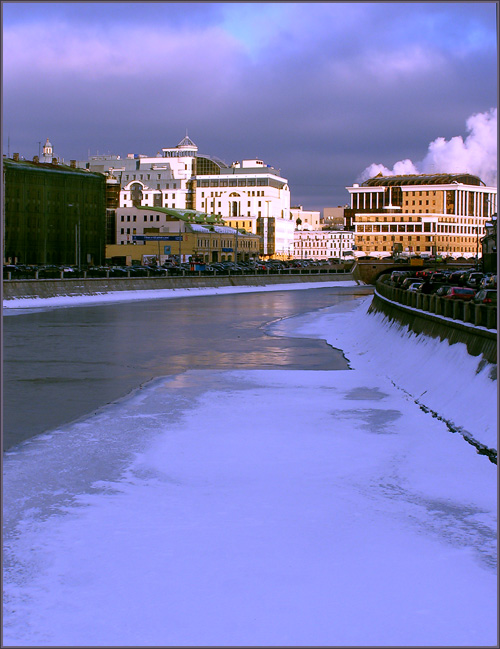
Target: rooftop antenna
x: 8, y: 146
x: 39, y: 145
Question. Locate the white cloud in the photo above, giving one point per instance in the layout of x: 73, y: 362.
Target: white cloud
x: 477, y: 154
x: 59, y: 49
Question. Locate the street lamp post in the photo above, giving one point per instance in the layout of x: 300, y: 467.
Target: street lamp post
x: 236, y: 246
x: 180, y: 241
x: 477, y: 248
x: 77, y: 235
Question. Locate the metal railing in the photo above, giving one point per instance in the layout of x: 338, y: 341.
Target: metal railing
x: 478, y: 315
x: 108, y: 273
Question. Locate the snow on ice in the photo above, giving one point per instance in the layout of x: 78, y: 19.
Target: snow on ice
x: 292, y: 508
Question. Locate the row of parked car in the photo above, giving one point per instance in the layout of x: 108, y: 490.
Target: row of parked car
x: 55, y: 272
x: 468, y: 284
x: 242, y: 267
x: 168, y: 268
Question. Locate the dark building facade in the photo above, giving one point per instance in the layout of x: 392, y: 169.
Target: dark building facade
x: 489, y: 247
x: 112, y: 204
x: 53, y: 214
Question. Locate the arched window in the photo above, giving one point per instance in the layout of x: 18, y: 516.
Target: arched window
x: 136, y: 194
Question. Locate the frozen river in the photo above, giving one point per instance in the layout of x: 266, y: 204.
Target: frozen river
x: 254, y: 506
x: 62, y: 363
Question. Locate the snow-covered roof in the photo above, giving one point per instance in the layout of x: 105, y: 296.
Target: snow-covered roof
x: 221, y: 229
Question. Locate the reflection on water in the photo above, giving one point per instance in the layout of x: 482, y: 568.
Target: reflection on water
x: 62, y: 364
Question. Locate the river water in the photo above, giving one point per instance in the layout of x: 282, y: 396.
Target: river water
x: 64, y: 363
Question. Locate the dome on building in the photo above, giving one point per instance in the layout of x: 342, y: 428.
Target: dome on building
x: 187, y: 142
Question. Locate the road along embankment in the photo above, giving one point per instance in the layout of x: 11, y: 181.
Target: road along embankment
x: 45, y: 288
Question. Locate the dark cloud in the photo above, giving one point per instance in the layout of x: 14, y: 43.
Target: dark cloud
x: 319, y: 90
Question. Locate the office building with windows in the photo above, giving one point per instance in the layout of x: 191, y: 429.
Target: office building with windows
x: 180, y: 235
x: 441, y: 214
x: 323, y: 244
x: 250, y: 195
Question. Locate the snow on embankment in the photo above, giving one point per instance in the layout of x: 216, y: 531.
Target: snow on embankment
x: 110, y: 297
x: 444, y: 378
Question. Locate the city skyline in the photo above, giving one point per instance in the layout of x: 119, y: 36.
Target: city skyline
x: 325, y: 92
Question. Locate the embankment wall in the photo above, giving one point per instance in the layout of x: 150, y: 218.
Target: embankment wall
x: 95, y: 286
x: 478, y: 340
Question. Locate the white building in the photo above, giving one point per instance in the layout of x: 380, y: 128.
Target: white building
x: 253, y: 196
x: 47, y: 153
x: 249, y: 194
x: 305, y: 219
x: 323, y: 244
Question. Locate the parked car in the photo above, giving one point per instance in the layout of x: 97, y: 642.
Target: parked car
x: 432, y: 287
x: 459, y: 293
x: 486, y: 296
x: 474, y: 280
x: 138, y: 271
x: 12, y: 269
x: 489, y: 281
x: 442, y: 290
x: 408, y: 281
x: 49, y: 272
x: 398, y: 276
x: 425, y: 273
x: 158, y: 271
x: 438, y: 276
x: 455, y: 278
x: 118, y: 271
x: 413, y: 288
x: 97, y: 271
x: 492, y: 282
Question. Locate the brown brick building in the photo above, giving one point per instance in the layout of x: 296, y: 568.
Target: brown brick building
x: 442, y: 214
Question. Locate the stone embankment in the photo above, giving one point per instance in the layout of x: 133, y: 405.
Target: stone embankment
x: 96, y: 286
x: 474, y: 325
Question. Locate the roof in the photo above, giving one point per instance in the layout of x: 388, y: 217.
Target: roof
x: 422, y: 179
x: 185, y: 215
x: 221, y: 229
x: 187, y: 141
x: 48, y: 166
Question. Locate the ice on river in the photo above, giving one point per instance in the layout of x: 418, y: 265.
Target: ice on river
x: 265, y: 507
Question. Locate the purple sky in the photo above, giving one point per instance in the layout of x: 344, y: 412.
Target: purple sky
x: 321, y: 91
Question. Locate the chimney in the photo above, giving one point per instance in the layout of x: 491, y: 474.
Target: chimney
x: 72, y: 164
x: 35, y: 159
x: 15, y: 156
x: 54, y: 161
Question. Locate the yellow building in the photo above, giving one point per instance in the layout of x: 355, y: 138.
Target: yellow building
x: 163, y: 233
x: 442, y: 214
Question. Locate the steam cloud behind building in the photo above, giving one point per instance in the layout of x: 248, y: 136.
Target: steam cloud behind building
x: 476, y: 154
